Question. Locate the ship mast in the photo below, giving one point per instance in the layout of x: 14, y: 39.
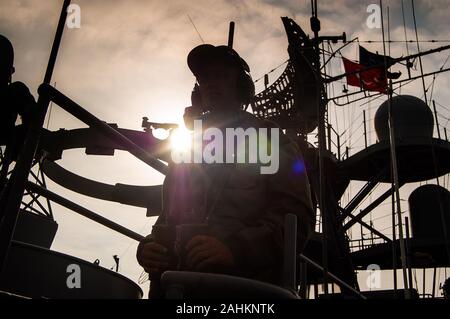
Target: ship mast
x: 325, y: 209
x: 315, y: 27
x: 395, y: 177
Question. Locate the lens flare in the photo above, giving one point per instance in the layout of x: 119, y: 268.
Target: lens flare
x: 299, y: 167
x: 181, y: 139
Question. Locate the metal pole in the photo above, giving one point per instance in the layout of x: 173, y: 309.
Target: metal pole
x: 395, y: 169
x: 56, y: 43
x: 315, y: 26
x: 12, y: 197
x: 376, y: 232
x: 372, y: 238
x: 434, y: 283
x: 368, y: 209
x: 397, y: 197
x: 363, y: 192
x: 93, y: 122
x: 339, y: 146
x: 83, y: 211
x: 408, y: 252
x: 337, y: 280
x: 424, y: 273
x: 231, y: 35
x: 266, y: 81
x: 316, y: 291
x: 437, y: 121
x: 329, y: 136
x: 389, y: 31
x: 365, y: 128
x: 362, y: 236
x: 394, y: 237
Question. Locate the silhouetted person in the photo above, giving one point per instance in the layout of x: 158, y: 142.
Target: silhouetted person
x: 446, y: 289
x: 228, y: 218
x: 8, y: 116
x: 15, y: 99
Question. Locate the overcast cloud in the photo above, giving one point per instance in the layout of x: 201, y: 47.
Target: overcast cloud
x: 128, y: 60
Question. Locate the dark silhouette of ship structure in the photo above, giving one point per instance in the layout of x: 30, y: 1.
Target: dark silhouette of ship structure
x: 406, y: 152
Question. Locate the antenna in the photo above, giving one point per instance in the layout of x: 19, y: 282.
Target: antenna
x: 231, y: 35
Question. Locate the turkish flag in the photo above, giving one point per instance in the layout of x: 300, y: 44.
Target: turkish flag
x: 370, y: 80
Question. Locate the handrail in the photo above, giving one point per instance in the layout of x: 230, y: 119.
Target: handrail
x: 80, y: 113
x: 83, y: 211
x: 343, y: 283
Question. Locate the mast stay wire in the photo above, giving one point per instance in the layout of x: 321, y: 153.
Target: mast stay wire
x: 402, y: 41
x: 435, y: 76
x: 404, y: 28
x: 196, y: 30
x: 271, y: 71
x: 443, y: 106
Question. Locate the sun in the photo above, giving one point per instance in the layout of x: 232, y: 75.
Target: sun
x: 181, y: 139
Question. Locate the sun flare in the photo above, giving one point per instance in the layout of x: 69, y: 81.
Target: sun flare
x: 181, y: 139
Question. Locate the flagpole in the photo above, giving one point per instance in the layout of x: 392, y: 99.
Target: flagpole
x: 394, y: 235
x: 395, y: 169
x: 315, y: 26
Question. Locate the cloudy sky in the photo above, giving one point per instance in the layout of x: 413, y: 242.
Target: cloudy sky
x: 128, y: 60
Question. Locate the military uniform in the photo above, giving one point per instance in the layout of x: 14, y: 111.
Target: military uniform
x: 242, y: 208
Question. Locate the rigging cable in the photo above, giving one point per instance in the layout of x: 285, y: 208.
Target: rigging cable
x: 441, y: 208
x: 418, y: 51
x: 404, y: 28
x: 198, y: 33
x: 435, y: 76
x: 401, y: 41
x: 271, y: 71
x: 132, y: 240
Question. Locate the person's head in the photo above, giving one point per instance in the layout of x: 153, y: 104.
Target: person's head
x: 6, y: 61
x: 446, y: 288
x: 223, y: 77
